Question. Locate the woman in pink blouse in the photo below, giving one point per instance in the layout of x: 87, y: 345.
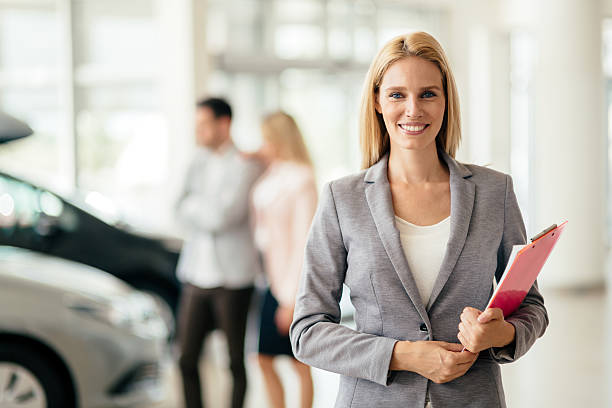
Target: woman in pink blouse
x: 284, y: 202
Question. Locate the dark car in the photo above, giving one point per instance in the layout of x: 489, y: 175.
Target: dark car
x: 35, y: 218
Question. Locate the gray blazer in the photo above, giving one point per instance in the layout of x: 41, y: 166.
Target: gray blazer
x: 353, y: 241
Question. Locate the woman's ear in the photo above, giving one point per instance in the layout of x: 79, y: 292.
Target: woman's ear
x: 377, y: 104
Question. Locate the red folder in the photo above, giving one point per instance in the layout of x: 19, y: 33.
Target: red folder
x: 523, y: 269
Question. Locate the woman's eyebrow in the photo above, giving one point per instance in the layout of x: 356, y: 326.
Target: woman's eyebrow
x: 402, y: 88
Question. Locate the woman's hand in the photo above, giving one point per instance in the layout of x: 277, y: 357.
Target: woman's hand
x: 283, y: 318
x: 436, y: 360
x: 482, y: 330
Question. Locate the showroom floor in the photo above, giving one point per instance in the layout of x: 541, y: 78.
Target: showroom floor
x: 568, y: 367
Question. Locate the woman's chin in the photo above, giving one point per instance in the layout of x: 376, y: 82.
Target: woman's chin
x: 413, y: 144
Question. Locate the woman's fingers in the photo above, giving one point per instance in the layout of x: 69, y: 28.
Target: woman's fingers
x: 456, y: 364
x: 441, y: 361
x: 465, y: 335
x: 463, y: 340
x: 451, y: 346
x: 491, y: 314
x: 464, y: 357
x: 479, y: 331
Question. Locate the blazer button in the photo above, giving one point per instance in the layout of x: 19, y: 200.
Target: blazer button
x: 423, y: 327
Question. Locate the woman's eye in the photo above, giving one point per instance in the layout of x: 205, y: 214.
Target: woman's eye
x: 395, y: 95
x: 428, y: 94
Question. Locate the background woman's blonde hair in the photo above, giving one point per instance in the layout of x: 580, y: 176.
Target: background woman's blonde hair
x: 280, y: 130
x: 372, y: 131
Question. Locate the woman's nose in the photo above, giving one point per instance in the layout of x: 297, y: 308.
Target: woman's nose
x: 412, y: 107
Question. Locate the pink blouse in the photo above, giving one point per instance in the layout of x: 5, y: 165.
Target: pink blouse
x: 284, y: 201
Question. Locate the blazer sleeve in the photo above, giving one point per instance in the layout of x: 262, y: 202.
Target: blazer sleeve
x: 317, y: 337
x: 530, y: 319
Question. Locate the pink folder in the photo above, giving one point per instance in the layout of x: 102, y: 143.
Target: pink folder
x: 523, y: 269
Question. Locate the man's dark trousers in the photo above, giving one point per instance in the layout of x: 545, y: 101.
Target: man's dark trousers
x: 200, y: 312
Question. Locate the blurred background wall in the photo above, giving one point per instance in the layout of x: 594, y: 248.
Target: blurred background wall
x: 109, y: 87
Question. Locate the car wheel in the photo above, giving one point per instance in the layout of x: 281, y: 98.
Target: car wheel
x: 28, y: 380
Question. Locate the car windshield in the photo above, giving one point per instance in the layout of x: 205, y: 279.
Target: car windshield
x: 22, y: 205
x: 98, y: 205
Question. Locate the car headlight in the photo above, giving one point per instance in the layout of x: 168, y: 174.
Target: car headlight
x: 136, y: 312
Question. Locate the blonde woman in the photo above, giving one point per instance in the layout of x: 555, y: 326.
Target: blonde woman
x: 284, y: 201
x: 418, y: 238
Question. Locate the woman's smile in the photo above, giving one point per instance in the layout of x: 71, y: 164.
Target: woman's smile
x: 413, y: 128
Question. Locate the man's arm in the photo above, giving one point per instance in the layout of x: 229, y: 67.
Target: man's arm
x: 214, y: 211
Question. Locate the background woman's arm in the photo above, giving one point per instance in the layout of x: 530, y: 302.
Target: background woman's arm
x: 303, y: 203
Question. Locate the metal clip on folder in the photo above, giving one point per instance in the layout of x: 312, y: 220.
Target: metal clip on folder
x: 546, y: 231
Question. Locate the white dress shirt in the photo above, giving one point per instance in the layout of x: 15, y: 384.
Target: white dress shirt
x: 214, y: 210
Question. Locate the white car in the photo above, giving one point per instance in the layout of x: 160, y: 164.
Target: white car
x: 74, y: 336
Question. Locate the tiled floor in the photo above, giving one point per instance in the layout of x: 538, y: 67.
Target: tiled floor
x: 571, y: 366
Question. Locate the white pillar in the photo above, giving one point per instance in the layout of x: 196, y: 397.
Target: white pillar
x: 479, y: 53
x: 182, y: 74
x: 568, y: 158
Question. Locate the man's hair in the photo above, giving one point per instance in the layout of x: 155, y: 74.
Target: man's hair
x: 218, y: 106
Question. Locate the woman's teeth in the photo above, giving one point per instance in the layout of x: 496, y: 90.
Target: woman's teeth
x: 413, y: 128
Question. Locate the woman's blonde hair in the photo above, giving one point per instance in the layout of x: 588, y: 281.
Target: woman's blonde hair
x: 373, y: 134
x: 280, y: 130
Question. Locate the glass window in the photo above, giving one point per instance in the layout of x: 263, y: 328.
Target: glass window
x: 364, y: 43
x: 322, y: 104
x: 241, y: 29
x: 314, y: 56
x: 115, y: 40
x: 293, y: 41
x: 122, y: 143
x: 521, y: 73
x: 121, y: 129
x: 607, y: 47
x: 216, y: 29
x: 609, y: 155
x: 299, y: 10
x: 42, y: 150
x: 21, y: 47
x: 339, y: 44
x: 607, y: 69
x: 29, y: 90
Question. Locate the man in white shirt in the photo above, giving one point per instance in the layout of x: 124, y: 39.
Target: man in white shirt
x: 218, y: 262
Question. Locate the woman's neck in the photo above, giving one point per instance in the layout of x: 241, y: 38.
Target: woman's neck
x: 416, y: 167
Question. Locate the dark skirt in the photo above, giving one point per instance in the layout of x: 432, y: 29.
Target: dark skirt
x: 271, y: 342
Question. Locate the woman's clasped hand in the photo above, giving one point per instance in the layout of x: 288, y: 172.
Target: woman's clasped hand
x: 482, y: 330
x: 438, y: 361
x: 442, y: 362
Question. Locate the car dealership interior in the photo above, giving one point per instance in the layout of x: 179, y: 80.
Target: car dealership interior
x: 98, y: 125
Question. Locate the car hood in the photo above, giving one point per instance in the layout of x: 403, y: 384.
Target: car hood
x: 34, y: 268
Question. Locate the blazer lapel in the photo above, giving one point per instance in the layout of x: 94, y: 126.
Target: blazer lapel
x: 378, y: 196
x: 462, y: 204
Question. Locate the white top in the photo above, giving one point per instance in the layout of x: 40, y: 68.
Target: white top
x: 424, y: 248
x: 284, y: 201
